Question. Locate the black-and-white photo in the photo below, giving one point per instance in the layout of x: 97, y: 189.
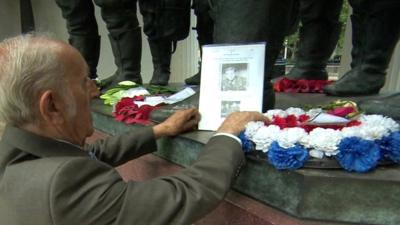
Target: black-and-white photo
x: 228, y: 107
x: 234, y: 77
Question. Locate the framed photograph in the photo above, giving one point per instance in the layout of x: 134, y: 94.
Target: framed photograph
x: 232, y: 79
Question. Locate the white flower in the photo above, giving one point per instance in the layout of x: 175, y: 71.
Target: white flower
x: 373, y: 127
x: 136, y: 91
x: 252, y: 128
x: 265, y: 136
x: 288, y: 137
x: 295, y: 111
x: 351, y: 131
x: 379, y: 120
x: 316, y: 154
x: 366, y: 132
x: 325, y: 140
x: 275, y: 112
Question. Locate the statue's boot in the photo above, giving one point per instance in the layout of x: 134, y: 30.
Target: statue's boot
x: 319, y: 34
x: 83, y: 31
x: 243, y: 21
x: 204, y: 28
x: 376, y: 32
x: 161, y: 51
x: 272, y: 52
x: 195, y: 79
x: 89, y: 47
x: 127, y: 50
x: 388, y: 106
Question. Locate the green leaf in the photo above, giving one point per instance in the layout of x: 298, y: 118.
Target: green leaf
x: 127, y: 83
x: 113, y: 90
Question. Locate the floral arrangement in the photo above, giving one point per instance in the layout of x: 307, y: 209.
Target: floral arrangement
x: 300, y: 86
x: 128, y: 112
x: 289, y: 140
x: 123, y: 97
x: 113, y: 95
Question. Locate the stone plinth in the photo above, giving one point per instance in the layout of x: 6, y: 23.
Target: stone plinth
x: 326, y: 196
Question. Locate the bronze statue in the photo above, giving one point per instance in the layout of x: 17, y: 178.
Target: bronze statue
x: 83, y: 30
x: 204, y: 28
x: 376, y: 30
x: 124, y: 34
x: 319, y: 32
x: 243, y: 21
x: 165, y: 23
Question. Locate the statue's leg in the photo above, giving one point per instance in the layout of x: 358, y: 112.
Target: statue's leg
x: 244, y: 21
x: 161, y: 51
x: 82, y: 30
x: 160, y: 47
x: 380, y: 32
x: 204, y: 28
x: 319, y: 33
x: 125, y: 38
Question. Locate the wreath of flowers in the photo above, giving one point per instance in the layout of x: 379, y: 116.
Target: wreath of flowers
x: 289, y: 141
x: 124, y: 108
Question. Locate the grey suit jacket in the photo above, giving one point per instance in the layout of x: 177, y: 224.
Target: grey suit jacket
x: 45, y: 181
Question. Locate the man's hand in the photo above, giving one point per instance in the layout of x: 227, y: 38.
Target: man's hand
x: 236, y: 122
x: 177, y: 123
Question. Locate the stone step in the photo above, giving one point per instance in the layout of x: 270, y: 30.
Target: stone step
x: 310, y: 194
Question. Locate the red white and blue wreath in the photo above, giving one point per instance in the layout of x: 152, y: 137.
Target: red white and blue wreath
x: 289, y: 141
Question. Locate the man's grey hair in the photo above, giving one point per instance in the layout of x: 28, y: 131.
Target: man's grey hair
x: 29, y: 64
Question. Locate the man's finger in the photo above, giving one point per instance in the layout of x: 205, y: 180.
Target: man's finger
x: 190, y: 124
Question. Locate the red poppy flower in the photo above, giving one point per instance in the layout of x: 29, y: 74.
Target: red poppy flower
x: 138, y: 98
x: 283, y: 84
x: 300, y: 86
x: 291, y: 121
x: 128, y: 112
x: 341, y: 111
x: 279, y: 121
x: 304, y: 87
x: 303, y: 118
x: 308, y: 128
x: 124, y: 102
x: 284, y: 122
x: 353, y: 123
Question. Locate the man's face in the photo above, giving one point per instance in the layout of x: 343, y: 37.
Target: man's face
x: 77, y: 102
x: 230, y: 73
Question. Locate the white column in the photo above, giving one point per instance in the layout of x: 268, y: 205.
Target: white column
x: 9, y: 19
x: 393, y: 73
x: 185, y: 59
x: 346, y: 52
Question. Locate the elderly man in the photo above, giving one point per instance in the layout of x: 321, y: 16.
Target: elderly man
x: 48, y: 175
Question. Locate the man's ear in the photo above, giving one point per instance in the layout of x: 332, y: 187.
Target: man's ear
x: 50, y: 107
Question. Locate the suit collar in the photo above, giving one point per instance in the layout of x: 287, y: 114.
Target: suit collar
x: 38, y: 145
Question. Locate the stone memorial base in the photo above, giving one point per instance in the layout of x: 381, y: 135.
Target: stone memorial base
x: 264, y: 195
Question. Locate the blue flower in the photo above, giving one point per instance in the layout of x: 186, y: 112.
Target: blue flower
x: 290, y: 158
x: 390, y: 147
x: 247, y: 144
x: 356, y: 154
